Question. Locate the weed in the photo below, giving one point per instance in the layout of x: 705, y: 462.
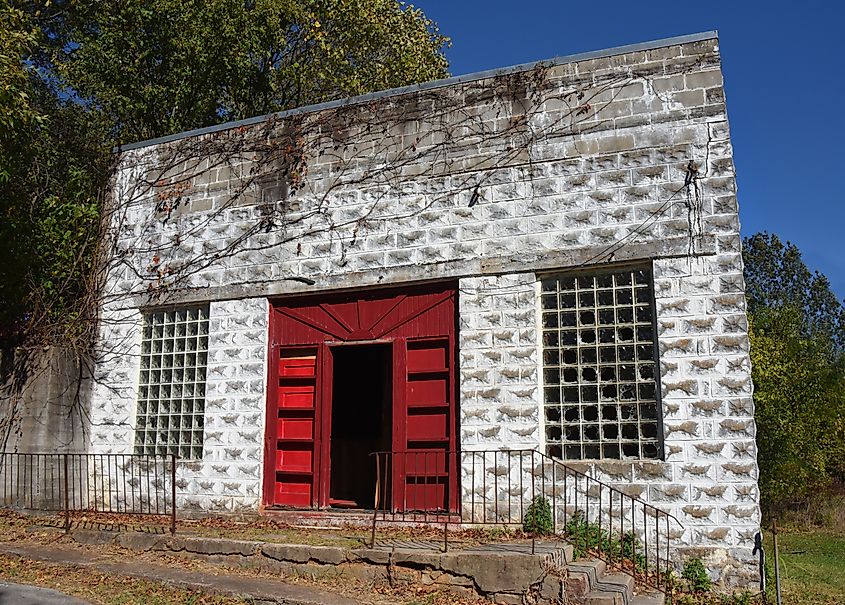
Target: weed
x: 589, y: 537
x: 696, y: 575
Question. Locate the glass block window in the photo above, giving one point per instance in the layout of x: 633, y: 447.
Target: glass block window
x: 599, y: 366
x: 171, y: 392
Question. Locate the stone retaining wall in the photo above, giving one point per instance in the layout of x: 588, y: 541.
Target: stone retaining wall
x: 503, y: 576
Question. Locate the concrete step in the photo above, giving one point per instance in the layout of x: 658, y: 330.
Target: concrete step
x: 617, y: 581
x: 577, y: 586
x: 601, y: 597
x: 336, y: 517
x: 648, y: 598
x: 591, y: 582
x: 568, y: 552
x: 594, y: 568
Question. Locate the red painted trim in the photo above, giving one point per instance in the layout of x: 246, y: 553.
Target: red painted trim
x: 358, y: 313
x: 323, y: 443
x: 313, y: 323
x: 400, y: 419
x: 328, y: 311
x: 399, y: 301
x: 445, y: 296
x: 454, y: 467
x: 271, y: 413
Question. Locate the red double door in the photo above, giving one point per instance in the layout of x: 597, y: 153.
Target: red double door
x: 351, y: 375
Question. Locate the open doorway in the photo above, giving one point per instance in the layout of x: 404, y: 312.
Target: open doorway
x: 361, y: 422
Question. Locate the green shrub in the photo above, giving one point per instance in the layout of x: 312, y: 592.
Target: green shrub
x: 696, y: 574
x: 589, y: 537
x: 538, y: 517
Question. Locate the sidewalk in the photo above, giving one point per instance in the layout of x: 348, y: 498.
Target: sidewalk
x: 260, y: 590
x: 22, y: 594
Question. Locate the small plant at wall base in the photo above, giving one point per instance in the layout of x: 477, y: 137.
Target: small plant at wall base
x: 589, y: 537
x: 695, y: 587
x: 538, y: 517
x: 709, y: 598
x: 696, y: 574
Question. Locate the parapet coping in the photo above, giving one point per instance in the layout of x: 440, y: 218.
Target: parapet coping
x: 395, y: 92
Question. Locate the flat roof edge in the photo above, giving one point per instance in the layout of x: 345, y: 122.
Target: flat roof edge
x: 393, y: 92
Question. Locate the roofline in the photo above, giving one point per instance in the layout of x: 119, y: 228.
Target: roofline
x: 393, y: 92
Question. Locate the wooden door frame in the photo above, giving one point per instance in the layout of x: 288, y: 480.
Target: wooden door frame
x: 326, y: 403
x: 321, y: 464
x: 400, y: 413
x: 271, y: 414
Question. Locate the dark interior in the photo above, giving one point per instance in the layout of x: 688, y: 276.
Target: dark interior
x: 361, y: 421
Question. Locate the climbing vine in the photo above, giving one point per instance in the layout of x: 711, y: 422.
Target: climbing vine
x: 324, y: 178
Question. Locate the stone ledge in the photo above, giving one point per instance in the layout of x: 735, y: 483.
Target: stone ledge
x: 503, y: 576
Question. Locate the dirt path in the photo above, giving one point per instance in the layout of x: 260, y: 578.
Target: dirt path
x: 36, y: 551
x: 262, y: 590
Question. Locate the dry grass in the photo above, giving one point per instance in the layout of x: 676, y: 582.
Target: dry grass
x: 104, y: 589
x: 99, y: 587
x: 264, y: 530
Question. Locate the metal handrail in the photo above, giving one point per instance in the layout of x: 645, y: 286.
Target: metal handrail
x: 128, y: 484
x: 505, y: 487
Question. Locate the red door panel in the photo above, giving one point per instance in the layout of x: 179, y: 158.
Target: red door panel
x: 291, y: 459
x: 428, y: 356
x: 296, y: 367
x: 425, y: 494
x: 428, y: 391
x: 291, y: 436
x: 296, y: 396
x: 293, y: 493
x: 295, y: 429
x: 429, y: 481
x: 428, y: 427
x: 422, y: 463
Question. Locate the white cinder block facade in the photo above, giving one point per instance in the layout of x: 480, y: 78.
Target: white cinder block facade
x: 485, y: 185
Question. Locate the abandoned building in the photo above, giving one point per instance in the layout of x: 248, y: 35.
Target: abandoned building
x: 542, y: 258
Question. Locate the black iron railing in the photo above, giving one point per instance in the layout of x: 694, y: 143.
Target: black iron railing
x: 532, y: 491
x: 128, y: 484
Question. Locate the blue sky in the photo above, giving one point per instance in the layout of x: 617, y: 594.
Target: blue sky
x: 783, y: 64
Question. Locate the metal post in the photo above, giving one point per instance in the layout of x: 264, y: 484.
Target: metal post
x: 761, y: 554
x: 67, y: 497
x: 554, y: 498
x: 472, y: 492
x: 668, y: 563
x: 172, y: 494
x: 645, y: 538
x: 533, y: 502
x: 376, y: 500
x: 777, y: 562
x: 496, y: 486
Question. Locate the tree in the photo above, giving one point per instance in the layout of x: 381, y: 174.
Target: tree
x: 165, y: 66
x: 55, y: 173
x: 800, y: 409
x: 798, y: 369
x: 776, y: 276
x: 79, y: 76
x: 17, y: 40
x: 50, y: 170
